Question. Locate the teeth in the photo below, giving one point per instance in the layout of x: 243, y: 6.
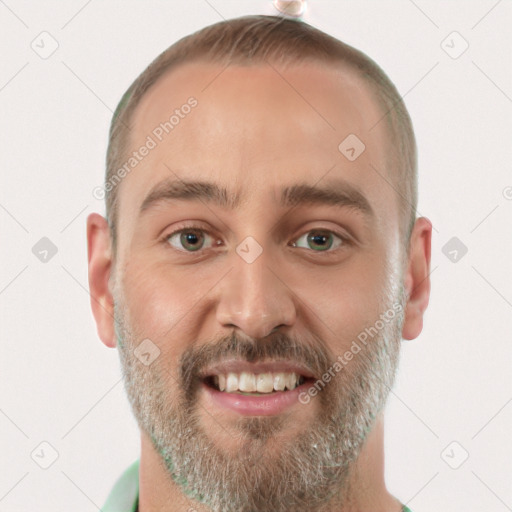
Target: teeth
x: 264, y: 383
x: 291, y: 380
x: 279, y: 381
x: 232, y: 382
x: 247, y: 382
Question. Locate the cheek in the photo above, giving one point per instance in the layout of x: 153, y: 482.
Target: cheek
x: 348, y: 298
x: 159, y: 301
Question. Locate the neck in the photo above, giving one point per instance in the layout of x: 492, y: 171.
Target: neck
x: 367, y: 485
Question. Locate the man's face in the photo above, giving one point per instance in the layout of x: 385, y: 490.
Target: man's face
x: 266, y: 292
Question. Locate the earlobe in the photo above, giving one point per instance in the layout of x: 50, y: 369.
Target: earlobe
x: 100, y: 266
x: 417, y: 278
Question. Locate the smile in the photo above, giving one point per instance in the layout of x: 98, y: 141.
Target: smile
x: 262, y: 388
x: 246, y: 382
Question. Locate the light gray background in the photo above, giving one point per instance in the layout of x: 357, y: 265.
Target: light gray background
x: 59, y: 384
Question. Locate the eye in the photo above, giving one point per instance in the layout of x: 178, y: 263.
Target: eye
x: 189, y: 239
x: 320, y: 240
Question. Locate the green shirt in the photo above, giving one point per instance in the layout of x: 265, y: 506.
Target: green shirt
x: 124, y: 497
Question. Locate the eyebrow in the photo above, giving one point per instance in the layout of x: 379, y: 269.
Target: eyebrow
x: 209, y: 192
x: 335, y: 193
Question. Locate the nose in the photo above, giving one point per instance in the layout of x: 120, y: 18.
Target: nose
x: 255, y: 299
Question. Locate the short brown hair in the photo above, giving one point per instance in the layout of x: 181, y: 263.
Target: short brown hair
x: 256, y: 40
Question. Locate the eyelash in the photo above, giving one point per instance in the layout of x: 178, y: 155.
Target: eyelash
x: 344, y: 240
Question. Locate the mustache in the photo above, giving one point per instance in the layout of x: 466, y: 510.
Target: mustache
x: 312, y: 353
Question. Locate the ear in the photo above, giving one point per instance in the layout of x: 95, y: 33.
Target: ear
x: 99, y: 248
x: 417, y: 278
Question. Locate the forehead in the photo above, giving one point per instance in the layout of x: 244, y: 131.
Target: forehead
x: 255, y: 129
x: 320, y: 102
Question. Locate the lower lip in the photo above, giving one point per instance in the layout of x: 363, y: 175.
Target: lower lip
x: 264, y: 405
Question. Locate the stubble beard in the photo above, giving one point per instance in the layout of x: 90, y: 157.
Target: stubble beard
x: 312, y: 472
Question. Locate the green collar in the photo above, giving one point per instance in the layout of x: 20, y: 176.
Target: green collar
x: 124, y: 497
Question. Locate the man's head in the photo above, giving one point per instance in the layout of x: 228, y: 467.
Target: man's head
x: 274, y: 41
x: 258, y: 251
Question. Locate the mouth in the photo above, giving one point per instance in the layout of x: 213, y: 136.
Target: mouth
x: 263, y: 388
x: 261, y: 377
x: 248, y: 383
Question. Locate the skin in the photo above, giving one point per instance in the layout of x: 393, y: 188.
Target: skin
x: 254, y: 134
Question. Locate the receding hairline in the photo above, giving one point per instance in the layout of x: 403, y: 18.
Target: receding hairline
x: 347, y: 74
x: 230, y: 43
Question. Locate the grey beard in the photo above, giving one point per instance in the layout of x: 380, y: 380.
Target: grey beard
x: 309, y: 473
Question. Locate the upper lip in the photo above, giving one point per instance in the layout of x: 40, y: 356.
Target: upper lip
x: 270, y: 366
